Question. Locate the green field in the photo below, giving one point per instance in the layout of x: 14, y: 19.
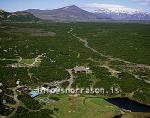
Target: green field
x: 76, y: 106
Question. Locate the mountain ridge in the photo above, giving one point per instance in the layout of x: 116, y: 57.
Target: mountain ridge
x: 74, y: 13
x: 70, y: 13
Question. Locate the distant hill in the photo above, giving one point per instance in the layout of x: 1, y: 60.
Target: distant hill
x: 17, y: 16
x: 4, y: 15
x: 69, y: 13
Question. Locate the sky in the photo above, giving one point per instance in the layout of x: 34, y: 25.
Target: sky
x: 91, y: 5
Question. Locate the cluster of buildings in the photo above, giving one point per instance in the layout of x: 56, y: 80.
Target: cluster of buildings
x: 36, y: 92
x: 48, y: 88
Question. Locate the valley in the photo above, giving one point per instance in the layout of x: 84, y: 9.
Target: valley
x: 117, y: 54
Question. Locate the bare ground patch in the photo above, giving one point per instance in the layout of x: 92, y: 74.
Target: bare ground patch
x: 32, y: 31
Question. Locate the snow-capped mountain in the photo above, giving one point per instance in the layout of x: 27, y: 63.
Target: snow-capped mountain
x: 123, y: 14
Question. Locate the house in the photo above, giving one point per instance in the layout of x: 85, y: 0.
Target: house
x: 0, y: 91
x: 1, y: 84
x: 4, y: 102
x: 49, y: 86
x: 81, y: 69
x: 23, y: 89
x: 17, y: 82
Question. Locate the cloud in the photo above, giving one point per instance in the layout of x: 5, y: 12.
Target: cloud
x: 143, y: 2
x: 112, y: 7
